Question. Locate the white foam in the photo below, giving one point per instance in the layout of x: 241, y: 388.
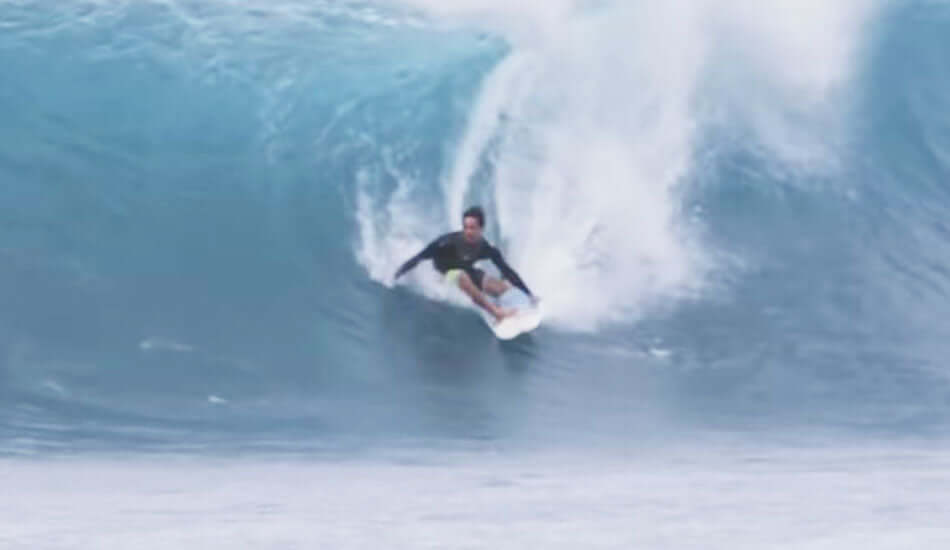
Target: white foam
x: 590, y: 126
x: 703, y: 498
x: 163, y: 344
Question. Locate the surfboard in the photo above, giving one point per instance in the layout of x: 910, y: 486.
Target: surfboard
x: 525, y: 320
x: 527, y: 317
x: 528, y: 314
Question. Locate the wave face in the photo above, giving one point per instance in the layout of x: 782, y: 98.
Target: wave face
x: 735, y: 215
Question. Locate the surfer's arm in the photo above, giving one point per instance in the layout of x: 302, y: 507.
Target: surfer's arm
x: 507, y: 272
x: 427, y: 253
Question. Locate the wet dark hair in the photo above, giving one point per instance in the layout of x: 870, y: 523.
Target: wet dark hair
x: 477, y: 213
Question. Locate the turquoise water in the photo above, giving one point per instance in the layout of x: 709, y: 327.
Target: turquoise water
x: 735, y: 217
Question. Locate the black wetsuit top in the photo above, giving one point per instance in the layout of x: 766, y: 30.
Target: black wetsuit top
x: 452, y: 251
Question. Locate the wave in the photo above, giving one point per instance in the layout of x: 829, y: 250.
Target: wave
x: 733, y: 213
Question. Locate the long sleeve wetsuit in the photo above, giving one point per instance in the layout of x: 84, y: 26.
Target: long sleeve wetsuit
x: 452, y: 251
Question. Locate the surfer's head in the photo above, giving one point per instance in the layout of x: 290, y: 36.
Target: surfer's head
x: 473, y: 220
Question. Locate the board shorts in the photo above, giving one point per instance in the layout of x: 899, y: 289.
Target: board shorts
x: 477, y: 275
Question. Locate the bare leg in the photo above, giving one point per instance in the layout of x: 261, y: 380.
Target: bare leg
x: 468, y: 287
x: 495, y: 287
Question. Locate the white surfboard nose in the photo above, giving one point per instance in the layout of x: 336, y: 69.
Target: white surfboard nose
x: 524, y: 320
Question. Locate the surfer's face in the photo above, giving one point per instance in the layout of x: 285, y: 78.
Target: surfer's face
x: 471, y: 229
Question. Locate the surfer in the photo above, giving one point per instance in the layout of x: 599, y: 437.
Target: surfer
x: 454, y: 255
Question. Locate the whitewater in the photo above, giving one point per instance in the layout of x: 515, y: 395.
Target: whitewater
x: 735, y: 215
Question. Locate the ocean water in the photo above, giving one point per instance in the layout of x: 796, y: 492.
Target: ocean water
x: 733, y: 212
